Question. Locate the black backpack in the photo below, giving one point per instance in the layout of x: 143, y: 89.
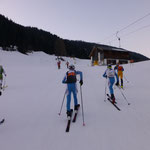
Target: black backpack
x: 71, y: 76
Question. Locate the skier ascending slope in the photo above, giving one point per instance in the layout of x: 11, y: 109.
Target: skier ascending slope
x: 67, y: 64
x: 110, y: 74
x: 2, y: 71
x: 120, y: 70
x: 58, y: 64
x: 70, y: 79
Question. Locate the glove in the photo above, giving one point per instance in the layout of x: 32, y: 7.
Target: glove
x: 5, y: 75
x: 81, y: 82
x: 117, y: 83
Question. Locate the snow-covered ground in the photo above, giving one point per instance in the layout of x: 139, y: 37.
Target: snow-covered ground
x: 34, y: 95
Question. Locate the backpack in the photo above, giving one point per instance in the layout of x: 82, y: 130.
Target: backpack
x: 71, y: 76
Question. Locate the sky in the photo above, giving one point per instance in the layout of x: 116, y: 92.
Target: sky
x: 99, y: 21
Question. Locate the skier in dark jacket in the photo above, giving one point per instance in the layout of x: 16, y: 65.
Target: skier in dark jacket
x: 70, y: 79
x: 58, y: 64
x: 67, y: 64
x: 2, y: 71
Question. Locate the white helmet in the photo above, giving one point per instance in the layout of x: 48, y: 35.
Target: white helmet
x: 71, y: 67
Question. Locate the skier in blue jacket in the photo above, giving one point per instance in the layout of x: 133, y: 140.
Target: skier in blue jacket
x: 70, y: 79
x: 110, y: 74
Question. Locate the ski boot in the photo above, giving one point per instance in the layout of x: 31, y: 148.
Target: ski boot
x: 113, y: 99
x: 117, y: 84
x: 122, y: 83
x: 76, y: 107
x: 69, y: 113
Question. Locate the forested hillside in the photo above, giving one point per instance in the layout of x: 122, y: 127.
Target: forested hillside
x: 26, y: 39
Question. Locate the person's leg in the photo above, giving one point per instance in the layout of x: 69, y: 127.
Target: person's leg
x: 0, y: 83
x: 68, y: 98
x: 0, y: 86
x: 75, y: 96
x: 121, y: 76
x: 111, y: 83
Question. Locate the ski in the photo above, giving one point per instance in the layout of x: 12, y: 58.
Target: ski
x: 76, y: 113
x: 2, y: 121
x: 109, y: 99
x: 69, y: 122
x: 119, y: 87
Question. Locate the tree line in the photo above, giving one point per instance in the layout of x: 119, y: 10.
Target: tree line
x: 27, y: 39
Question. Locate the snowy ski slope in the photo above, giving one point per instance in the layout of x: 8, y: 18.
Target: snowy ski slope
x: 34, y: 95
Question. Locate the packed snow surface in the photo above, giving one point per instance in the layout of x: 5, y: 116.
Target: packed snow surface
x: 31, y: 103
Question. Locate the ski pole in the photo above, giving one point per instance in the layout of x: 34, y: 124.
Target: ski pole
x: 4, y: 83
x: 126, y: 79
x: 105, y: 90
x: 62, y: 104
x: 123, y: 96
x: 82, y: 106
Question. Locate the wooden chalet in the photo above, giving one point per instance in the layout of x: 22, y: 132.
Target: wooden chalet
x: 108, y: 55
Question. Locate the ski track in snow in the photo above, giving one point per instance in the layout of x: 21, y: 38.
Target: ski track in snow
x: 34, y: 95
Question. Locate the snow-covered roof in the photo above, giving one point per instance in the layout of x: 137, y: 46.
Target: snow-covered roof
x: 118, y: 49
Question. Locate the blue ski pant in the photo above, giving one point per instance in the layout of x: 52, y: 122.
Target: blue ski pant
x: 71, y: 88
x: 111, y: 82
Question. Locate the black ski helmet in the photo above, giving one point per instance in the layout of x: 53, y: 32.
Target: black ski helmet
x: 71, y: 67
x: 109, y: 66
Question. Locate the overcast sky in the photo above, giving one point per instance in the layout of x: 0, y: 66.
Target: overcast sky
x: 87, y: 20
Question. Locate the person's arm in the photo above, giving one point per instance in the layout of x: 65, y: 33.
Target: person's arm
x: 104, y: 75
x: 81, y: 76
x: 117, y: 83
x: 80, y: 73
x: 64, y: 79
x: 115, y: 68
